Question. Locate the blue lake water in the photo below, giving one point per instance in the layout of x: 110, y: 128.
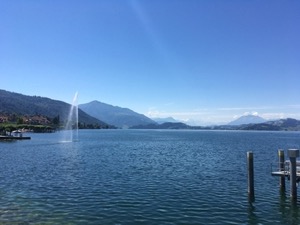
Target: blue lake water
x: 144, y: 177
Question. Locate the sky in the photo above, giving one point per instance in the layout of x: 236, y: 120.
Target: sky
x: 198, y: 61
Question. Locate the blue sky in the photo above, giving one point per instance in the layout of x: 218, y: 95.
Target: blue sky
x: 202, y: 61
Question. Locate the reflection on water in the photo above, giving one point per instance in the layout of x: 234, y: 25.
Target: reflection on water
x: 252, y: 218
x: 144, y: 177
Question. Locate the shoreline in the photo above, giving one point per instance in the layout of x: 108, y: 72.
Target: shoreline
x: 13, y: 138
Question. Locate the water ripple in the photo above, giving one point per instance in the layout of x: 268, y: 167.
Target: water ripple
x: 143, y: 177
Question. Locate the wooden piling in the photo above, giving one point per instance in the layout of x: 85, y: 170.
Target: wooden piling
x: 281, y: 168
x: 293, y: 154
x: 250, y: 175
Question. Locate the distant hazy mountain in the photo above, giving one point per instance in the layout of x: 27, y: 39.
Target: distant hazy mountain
x: 282, y: 124
x: 249, y: 119
x: 277, y: 125
x: 164, y: 120
x: 15, y: 103
x: 114, y: 115
x: 199, y: 122
x: 168, y: 125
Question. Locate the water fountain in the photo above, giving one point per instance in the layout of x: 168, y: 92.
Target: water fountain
x: 71, y: 127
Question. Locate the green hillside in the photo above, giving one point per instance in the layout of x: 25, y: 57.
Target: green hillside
x: 14, y: 105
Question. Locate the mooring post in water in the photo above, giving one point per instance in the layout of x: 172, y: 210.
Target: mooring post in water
x: 281, y: 168
x: 293, y: 154
x: 250, y: 175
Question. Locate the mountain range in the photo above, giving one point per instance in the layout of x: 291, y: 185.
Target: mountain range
x: 277, y: 125
x: 15, y: 103
x: 247, y: 119
x: 165, y: 120
x: 288, y: 124
x: 115, y: 115
x: 108, y: 116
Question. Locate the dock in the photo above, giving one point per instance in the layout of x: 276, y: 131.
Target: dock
x: 286, y: 170
x: 8, y: 138
x: 289, y: 169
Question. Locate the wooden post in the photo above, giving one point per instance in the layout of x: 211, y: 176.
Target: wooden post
x: 281, y: 168
x: 293, y: 154
x: 250, y: 176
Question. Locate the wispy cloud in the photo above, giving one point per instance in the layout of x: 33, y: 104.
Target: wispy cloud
x: 280, y: 115
x: 294, y: 106
x: 250, y: 108
x: 156, y: 113
x: 257, y: 108
x: 253, y: 113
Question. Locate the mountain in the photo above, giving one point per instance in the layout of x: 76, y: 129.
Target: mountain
x: 114, y: 115
x: 164, y: 120
x: 249, y: 119
x: 19, y: 104
x: 168, y: 125
x: 288, y: 124
x: 277, y: 125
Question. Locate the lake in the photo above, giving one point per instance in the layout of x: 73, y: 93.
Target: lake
x: 144, y: 177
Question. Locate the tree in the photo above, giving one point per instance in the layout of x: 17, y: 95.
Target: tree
x: 20, y: 120
x: 56, y: 120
